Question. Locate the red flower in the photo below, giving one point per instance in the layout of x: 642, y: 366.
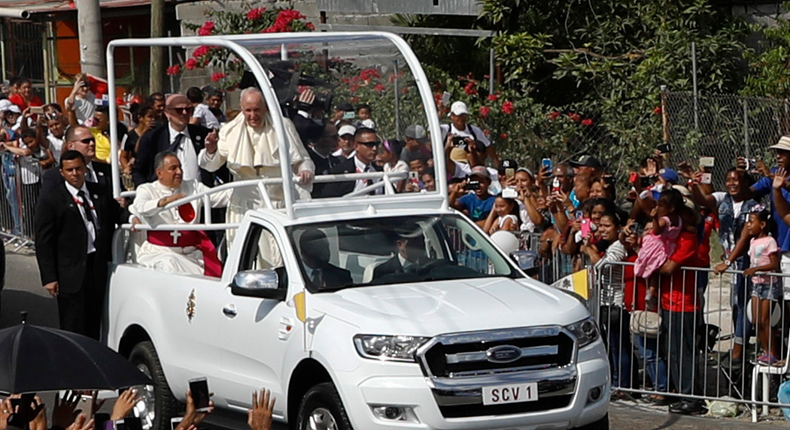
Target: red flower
x: 310, y: 26
x: 256, y: 13
x: 379, y: 87
x: 404, y: 90
x: 201, y: 51
x: 587, y: 122
x: 469, y: 89
x: 574, y: 117
x: 206, y: 29
x: 190, y: 64
x: 503, y: 136
x: 507, y: 107
x: 354, y: 99
x: 484, y: 111
x: 554, y: 115
x: 369, y: 74
x: 487, y: 132
x: 657, y: 110
x: 345, y: 81
x: 492, y: 97
x: 218, y: 76
x: 174, y: 69
x: 354, y: 88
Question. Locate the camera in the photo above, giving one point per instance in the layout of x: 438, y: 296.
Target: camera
x: 509, y: 193
x: 646, y: 181
x: 472, y: 186
x: 460, y: 142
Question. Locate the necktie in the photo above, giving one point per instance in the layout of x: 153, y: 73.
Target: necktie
x: 176, y: 145
x: 91, y: 176
x: 86, y: 207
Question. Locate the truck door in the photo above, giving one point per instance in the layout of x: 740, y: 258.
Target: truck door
x: 257, y: 332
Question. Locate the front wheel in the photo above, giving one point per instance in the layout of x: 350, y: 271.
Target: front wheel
x: 158, y: 405
x: 321, y: 409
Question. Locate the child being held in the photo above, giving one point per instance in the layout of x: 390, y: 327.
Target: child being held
x: 503, y: 216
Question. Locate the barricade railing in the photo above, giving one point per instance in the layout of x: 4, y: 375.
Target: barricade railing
x: 702, y: 317
x: 21, y: 185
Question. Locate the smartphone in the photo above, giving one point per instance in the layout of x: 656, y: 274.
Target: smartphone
x: 664, y: 148
x: 705, y: 179
x: 413, y: 179
x: 546, y: 163
x: 609, y: 179
x: 707, y: 161
x: 555, y: 186
x: 198, y: 387
x: 349, y: 115
x: 633, y: 177
x: 133, y: 423
x: 37, y: 110
x: 646, y: 181
x: 100, y: 419
x: 86, y: 405
x: 446, y: 98
x: 174, y: 422
x: 586, y: 227
x: 510, y: 172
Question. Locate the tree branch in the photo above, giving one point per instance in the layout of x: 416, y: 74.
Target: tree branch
x: 628, y: 56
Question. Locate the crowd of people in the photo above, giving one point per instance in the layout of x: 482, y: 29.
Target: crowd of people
x: 181, y: 144
x: 66, y: 414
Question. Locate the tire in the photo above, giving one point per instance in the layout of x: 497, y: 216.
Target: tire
x: 165, y: 405
x: 602, y: 424
x: 322, y: 403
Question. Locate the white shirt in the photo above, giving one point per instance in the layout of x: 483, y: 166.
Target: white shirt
x: 736, y: 206
x: 478, y: 134
x: 55, y: 145
x: 186, y: 154
x: 361, y: 168
x: 89, y: 227
x: 84, y: 108
x: 207, y: 119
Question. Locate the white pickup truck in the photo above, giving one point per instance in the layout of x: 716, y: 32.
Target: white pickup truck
x: 381, y: 311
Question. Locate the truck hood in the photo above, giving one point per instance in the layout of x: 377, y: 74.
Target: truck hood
x: 436, y: 307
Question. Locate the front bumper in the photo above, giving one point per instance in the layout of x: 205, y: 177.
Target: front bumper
x: 434, y: 404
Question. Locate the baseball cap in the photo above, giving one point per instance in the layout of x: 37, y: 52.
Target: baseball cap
x: 508, y: 163
x: 459, y: 108
x: 6, y: 105
x: 669, y: 175
x: 481, y: 171
x: 345, y: 107
x: 416, y: 132
x: 783, y: 144
x: 346, y: 129
x: 586, y: 161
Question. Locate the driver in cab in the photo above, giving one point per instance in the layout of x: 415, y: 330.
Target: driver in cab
x: 410, y: 256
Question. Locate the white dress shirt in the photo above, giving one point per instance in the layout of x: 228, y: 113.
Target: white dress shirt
x: 186, y: 154
x: 89, y: 227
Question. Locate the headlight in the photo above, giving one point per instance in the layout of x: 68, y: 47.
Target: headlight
x: 586, y: 331
x: 388, y: 348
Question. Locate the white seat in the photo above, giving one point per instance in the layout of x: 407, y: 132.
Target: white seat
x: 766, y: 371
x: 367, y: 276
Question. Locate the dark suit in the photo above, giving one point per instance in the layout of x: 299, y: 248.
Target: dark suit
x: 339, y: 189
x: 331, y: 276
x: 158, y: 140
x: 388, y: 267
x: 53, y: 179
x: 62, y: 254
x: 322, y: 167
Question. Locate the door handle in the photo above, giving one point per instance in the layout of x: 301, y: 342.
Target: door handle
x: 229, y: 310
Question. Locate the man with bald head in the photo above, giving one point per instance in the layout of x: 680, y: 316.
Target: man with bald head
x: 79, y: 138
x: 249, y: 147
x: 177, y: 135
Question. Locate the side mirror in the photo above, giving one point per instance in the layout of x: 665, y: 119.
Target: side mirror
x: 258, y: 283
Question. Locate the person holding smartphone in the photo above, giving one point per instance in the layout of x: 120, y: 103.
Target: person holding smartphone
x: 81, y: 100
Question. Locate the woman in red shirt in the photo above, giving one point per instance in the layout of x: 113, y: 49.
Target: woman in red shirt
x: 24, y: 97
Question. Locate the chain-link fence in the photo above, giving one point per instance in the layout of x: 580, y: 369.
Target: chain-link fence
x: 724, y: 127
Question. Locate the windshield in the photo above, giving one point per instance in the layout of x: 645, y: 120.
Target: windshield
x: 393, y: 250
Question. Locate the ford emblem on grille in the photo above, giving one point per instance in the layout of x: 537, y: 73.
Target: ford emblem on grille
x: 503, y: 354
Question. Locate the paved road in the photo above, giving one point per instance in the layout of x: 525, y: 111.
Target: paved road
x: 23, y: 292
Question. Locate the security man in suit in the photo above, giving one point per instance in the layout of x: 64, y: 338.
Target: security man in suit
x: 74, y: 227
x: 411, y: 254
x: 315, y: 253
x: 80, y: 139
x: 177, y: 136
x: 366, y: 143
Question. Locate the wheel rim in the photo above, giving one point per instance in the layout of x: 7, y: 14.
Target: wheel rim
x: 322, y: 419
x: 145, y: 409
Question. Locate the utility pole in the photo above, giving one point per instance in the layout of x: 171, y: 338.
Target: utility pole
x: 156, y: 78
x: 91, y: 46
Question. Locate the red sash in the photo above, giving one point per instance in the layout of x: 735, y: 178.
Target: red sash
x: 198, y: 239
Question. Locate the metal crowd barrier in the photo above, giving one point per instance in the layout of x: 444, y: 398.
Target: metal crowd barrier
x: 691, y: 357
x: 21, y: 185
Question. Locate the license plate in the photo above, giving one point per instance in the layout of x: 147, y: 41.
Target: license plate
x: 510, y: 394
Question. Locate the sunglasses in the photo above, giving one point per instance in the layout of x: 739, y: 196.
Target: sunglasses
x: 86, y: 140
x: 182, y: 110
x: 372, y: 143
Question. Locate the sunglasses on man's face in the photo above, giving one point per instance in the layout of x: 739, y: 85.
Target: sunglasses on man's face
x: 371, y: 144
x: 182, y: 110
x: 86, y: 141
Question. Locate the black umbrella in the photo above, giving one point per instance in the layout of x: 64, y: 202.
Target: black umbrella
x: 34, y: 359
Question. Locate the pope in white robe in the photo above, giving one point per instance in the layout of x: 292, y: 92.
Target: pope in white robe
x: 248, y: 146
x: 175, y: 251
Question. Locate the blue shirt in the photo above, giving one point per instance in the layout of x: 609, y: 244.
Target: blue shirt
x: 477, y: 209
x: 764, y: 187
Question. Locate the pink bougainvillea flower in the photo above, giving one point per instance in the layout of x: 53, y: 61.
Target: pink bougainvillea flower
x: 469, y: 89
x: 206, y: 29
x: 554, y: 115
x: 174, y: 69
x: 493, y: 97
x: 574, y: 117
x: 484, y: 111
x: 218, y: 76
x: 310, y: 26
x: 657, y: 110
x: 190, y: 64
x: 379, y: 87
x: 503, y: 136
x: 587, y: 122
x: 256, y: 13
x: 507, y: 107
x: 201, y: 51
x: 487, y: 132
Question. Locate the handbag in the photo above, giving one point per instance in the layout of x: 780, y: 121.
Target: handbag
x: 645, y: 323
